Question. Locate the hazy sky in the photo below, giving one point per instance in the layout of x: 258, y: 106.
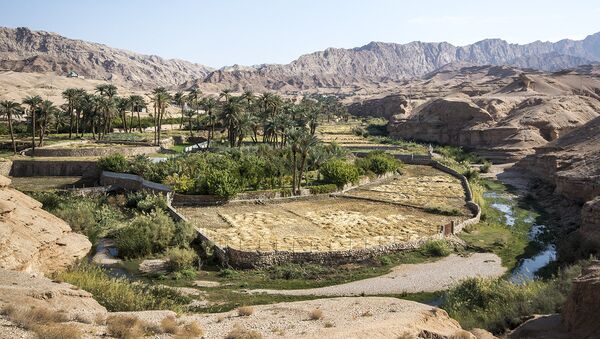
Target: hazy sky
x: 226, y: 32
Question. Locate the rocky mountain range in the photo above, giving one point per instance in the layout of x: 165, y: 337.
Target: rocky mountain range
x: 374, y: 64
x: 24, y: 50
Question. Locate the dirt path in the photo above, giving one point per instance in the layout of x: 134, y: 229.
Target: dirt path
x: 412, y: 278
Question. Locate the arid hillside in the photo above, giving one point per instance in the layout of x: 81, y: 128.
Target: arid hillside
x: 501, y: 112
x: 24, y: 50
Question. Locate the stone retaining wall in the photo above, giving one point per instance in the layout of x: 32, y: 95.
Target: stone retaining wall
x: 94, y: 151
x: 52, y: 168
x: 131, y: 182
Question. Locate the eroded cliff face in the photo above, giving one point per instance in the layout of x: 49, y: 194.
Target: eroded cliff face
x: 32, y: 239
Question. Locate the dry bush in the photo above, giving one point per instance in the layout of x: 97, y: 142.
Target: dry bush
x: 100, y: 319
x: 126, y: 327
x: 241, y: 333
x: 329, y: 324
x: 315, y: 314
x: 58, y: 331
x: 191, y: 330
x: 28, y: 318
x: 367, y: 314
x: 169, y: 325
x: 463, y: 335
x: 245, y: 311
x: 220, y: 318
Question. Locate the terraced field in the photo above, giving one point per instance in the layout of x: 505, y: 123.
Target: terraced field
x: 397, y: 210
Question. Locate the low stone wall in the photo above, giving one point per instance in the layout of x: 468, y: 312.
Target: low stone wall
x: 94, y: 151
x: 53, y: 168
x: 258, y: 259
x: 131, y: 182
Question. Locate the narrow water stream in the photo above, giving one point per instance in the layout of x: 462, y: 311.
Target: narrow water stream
x: 506, y: 205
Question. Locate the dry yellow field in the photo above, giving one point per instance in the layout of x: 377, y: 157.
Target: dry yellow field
x: 339, y: 223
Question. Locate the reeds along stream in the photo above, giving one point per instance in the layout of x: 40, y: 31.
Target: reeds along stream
x: 516, y: 213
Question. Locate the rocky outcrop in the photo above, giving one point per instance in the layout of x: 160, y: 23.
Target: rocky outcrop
x: 24, y: 50
x: 579, y: 317
x: 25, y: 289
x: 385, y: 107
x: 502, y: 127
x: 32, y: 239
x: 580, y: 314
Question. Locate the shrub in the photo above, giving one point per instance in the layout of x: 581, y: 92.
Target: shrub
x: 180, y: 183
x: 323, y: 189
x: 169, y: 325
x: 191, y: 330
x: 181, y: 258
x: 221, y: 184
x: 114, y: 163
x: 146, y: 201
x: 441, y: 211
x: 485, y: 168
x: 240, y: 333
x: 227, y: 273
x: 184, y: 234
x: 497, y: 304
x: 339, y: 172
x: 119, y: 295
x: 126, y: 327
x: 29, y: 318
x: 58, y: 331
x: 146, y: 234
x: 245, y: 311
x: 378, y: 162
x: 315, y: 314
x: 436, y: 248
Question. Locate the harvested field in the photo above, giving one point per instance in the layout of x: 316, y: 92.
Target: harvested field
x: 338, y: 223
x: 421, y: 186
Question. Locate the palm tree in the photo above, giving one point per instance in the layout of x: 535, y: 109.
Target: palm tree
x: 122, y: 104
x: 160, y: 98
x: 109, y: 92
x: 180, y: 100
x: 226, y: 93
x: 71, y: 95
x: 230, y: 116
x: 10, y: 109
x: 48, y: 109
x: 209, y: 104
x: 305, y: 145
x: 293, y: 137
x: 33, y: 102
x: 137, y: 103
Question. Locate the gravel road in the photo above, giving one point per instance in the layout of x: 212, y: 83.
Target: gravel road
x: 412, y: 278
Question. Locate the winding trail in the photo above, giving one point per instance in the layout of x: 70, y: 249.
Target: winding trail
x: 412, y: 278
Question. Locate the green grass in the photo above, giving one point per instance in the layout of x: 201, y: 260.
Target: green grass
x: 492, y: 234
x: 498, y: 305
x: 121, y: 295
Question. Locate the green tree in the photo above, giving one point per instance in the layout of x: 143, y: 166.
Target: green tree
x: 33, y: 102
x: 11, y: 109
x: 180, y: 100
x: 137, y: 103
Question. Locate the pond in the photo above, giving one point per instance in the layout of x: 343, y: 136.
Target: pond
x: 506, y: 205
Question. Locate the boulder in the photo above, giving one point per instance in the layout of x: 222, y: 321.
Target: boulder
x: 32, y: 239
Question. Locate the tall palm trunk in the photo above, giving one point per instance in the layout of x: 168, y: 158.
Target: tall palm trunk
x: 124, y: 121
x: 43, y: 128
x: 33, y: 118
x: 71, y: 121
x: 12, y: 134
x: 139, y: 121
x: 302, y: 164
x: 294, y: 172
x: 77, y: 122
